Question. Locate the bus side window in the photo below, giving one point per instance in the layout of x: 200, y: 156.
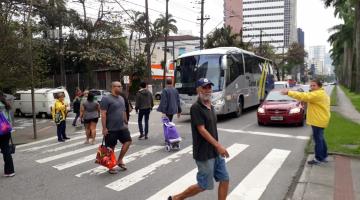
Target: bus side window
x: 232, y: 69
x: 240, y: 63
x: 248, y: 63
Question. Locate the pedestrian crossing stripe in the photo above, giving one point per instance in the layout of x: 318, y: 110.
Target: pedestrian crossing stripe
x: 143, y: 173
x: 70, y: 153
x: 127, y: 159
x: 255, y: 183
x: 190, y: 178
x: 68, y: 146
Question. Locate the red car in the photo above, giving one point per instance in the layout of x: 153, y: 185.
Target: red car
x: 281, y: 109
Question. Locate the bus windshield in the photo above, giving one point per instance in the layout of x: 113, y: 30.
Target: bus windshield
x: 190, y: 69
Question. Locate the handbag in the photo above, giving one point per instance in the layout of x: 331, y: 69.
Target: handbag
x: 105, y: 156
x: 5, y: 126
x: 12, y: 146
x: 58, y: 117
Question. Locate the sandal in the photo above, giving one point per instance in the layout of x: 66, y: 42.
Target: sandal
x: 122, y: 166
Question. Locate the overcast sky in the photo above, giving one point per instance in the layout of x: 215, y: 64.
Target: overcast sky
x: 312, y: 16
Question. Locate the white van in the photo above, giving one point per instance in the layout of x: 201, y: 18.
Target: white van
x: 44, y: 100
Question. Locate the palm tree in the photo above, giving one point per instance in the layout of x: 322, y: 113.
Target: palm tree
x: 160, y: 24
x: 344, y: 9
x: 222, y: 37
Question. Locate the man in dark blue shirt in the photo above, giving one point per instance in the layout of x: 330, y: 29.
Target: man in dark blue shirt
x: 207, y: 151
x: 170, y: 101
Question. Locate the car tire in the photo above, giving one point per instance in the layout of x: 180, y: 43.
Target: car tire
x: 260, y: 123
x: 157, y: 97
x: 18, y: 113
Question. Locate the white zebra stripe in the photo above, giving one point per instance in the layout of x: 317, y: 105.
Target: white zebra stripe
x: 190, y: 178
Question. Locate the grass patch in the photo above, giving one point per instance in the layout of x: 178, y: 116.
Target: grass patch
x: 333, y: 98
x: 354, y: 98
x: 343, y: 135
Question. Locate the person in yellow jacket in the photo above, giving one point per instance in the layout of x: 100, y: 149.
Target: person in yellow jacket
x: 318, y: 116
x: 59, y: 113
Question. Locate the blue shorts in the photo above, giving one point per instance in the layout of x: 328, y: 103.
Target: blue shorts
x: 209, y: 169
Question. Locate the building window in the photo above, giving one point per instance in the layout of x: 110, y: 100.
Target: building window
x: 262, y: 1
x: 263, y: 8
x: 264, y: 15
x: 182, y: 50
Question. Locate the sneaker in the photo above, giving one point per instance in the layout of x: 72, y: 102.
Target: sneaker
x: 313, y: 162
x: 9, y: 175
x: 112, y: 171
x: 66, y: 138
x: 61, y: 140
x: 146, y: 137
x: 141, y: 136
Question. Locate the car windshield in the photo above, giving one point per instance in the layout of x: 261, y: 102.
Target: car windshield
x: 279, y: 85
x: 190, y: 69
x: 277, y: 96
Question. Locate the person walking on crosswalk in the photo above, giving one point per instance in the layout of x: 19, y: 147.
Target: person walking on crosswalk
x: 207, y: 151
x: 170, y: 101
x: 114, y: 123
x: 143, y: 106
x: 317, y: 116
x: 89, y: 114
x: 5, y: 139
x: 59, y: 113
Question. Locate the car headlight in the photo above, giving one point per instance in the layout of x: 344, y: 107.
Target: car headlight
x: 261, y: 110
x: 219, y: 102
x: 295, y: 110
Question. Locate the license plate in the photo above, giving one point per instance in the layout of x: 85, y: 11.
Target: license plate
x: 277, y: 118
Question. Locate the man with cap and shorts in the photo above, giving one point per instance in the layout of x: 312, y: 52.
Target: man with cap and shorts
x: 208, y: 153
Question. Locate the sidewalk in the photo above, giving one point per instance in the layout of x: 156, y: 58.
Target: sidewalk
x: 345, y: 107
x: 339, y: 179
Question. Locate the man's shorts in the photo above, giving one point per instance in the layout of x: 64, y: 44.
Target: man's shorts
x: 209, y: 169
x: 113, y: 136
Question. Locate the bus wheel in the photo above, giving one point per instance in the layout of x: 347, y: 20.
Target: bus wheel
x: 239, y: 109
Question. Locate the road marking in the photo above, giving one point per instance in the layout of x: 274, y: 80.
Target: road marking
x: 68, y: 146
x: 255, y: 183
x: 36, y: 142
x: 190, y: 178
x: 265, y: 134
x: 143, y: 173
x: 70, y: 153
x: 127, y: 159
x: 19, y: 127
x: 52, y: 144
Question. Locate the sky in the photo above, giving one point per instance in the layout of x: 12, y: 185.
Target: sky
x: 312, y: 16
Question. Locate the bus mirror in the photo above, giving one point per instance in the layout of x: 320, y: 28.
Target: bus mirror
x: 224, y: 63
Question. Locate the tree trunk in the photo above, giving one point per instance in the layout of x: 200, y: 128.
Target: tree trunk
x: 357, y: 46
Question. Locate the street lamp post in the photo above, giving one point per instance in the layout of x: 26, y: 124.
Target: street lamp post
x: 165, y: 41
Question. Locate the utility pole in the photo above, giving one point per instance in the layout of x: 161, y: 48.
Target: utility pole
x: 147, y: 45
x: 166, y: 31
x: 29, y: 34
x: 260, y: 48
x: 202, y: 25
x: 202, y: 19
x: 61, y: 55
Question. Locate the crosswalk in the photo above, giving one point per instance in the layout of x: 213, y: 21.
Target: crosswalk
x: 77, y: 159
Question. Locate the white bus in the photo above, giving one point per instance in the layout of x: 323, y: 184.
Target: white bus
x: 236, y: 74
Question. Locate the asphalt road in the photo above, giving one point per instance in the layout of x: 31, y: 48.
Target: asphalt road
x: 263, y: 162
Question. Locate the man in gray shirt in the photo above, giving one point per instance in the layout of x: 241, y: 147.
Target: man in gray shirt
x: 114, y: 123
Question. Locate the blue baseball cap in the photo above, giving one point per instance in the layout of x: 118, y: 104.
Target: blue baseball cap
x: 203, y: 81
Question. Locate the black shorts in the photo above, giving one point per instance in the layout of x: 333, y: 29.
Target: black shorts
x: 113, y: 136
x: 87, y: 121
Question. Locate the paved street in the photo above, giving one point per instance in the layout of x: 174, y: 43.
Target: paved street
x: 263, y: 162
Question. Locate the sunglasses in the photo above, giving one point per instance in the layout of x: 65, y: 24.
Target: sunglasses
x: 208, y: 86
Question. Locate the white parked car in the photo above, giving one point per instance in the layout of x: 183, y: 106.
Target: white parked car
x: 281, y: 85
x: 99, y: 94
x: 44, y: 100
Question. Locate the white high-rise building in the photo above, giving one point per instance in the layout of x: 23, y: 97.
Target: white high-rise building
x: 272, y: 22
x: 317, y: 57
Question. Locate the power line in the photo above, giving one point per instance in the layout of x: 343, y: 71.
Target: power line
x: 158, y: 11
